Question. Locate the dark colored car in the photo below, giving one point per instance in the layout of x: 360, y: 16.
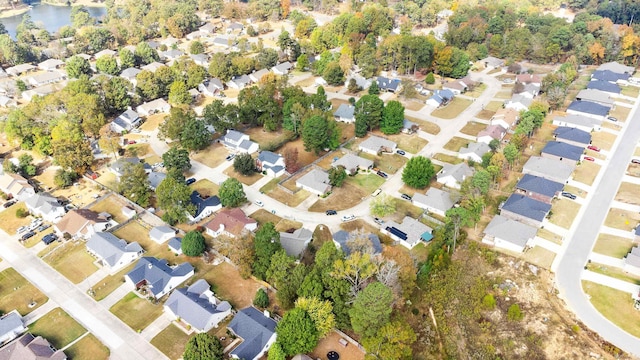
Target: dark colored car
x: 9, y: 203
x: 331, y: 212
x: 49, y: 238
x: 382, y: 174
x: 190, y: 181
x: 28, y: 235
x: 406, y: 197
x: 43, y: 227
x: 568, y: 195
x: 400, y: 152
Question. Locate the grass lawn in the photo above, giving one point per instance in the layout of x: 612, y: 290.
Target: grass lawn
x: 263, y: 216
x: 73, y: 261
x: 266, y: 139
x: 9, y: 222
x: 17, y: 293
x: 247, y: 180
x: 493, y: 106
x: 112, y: 206
x: 426, y: 126
x: 106, y: 286
x: 344, y: 197
x: 171, y: 341
x: 136, y: 312
x: 367, y: 182
x: 134, y: 231
x: 389, y: 163
x: 228, y: 285
x: 409, y: 143
x: 477, y: 91
x: 453, y: 109
x: 628, y: 193
x: 575, y: 190
x: 551, y: 236
x: 586, y: 172
x: 622, y: 219
x: 413, y: 105
x: 405, y: 208
x: 473, y: 128
x: 152, y: 122
x: 563, y: 212
x: 205, y: 187
x: 288, y: 199
x: 485, y: 114
x: 630, y: 91
x: 447, y: 158
x: 633, y: 170
x: 613, y: 272
x: 456, y: 143
x: 305, y: 83
x: 271, y: 185
x: 620, y: 112
x: 612, y: 245
x: 615, y: 305
x: 212, y: 156
x: 88, y: 348
x: 286, y: 224
x: 539, y: 256
x: 57, y: 327
x: 603, y: 139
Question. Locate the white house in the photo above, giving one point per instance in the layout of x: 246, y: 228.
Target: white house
x: 11, y: 326
x: 197, y: 306
x: 153, y: 67
x: 282, y: 69
x: 632, y: 262
x: 270, y: 162
x: 239, y: 82
x: 154, y: 107
x: 315, y: 181
x: 257, y: 75
x: 20, y: 69
x: 105, y: 52
x: 375, y: 145
x: 409, y: 233
x: 45, y: 78
x: 518, y: 103
x: 453, y: 175
x: 112, y: 252
x: 160, y: 234
x: 237, y: 141
x: 45, y: 206
x: 126, y: 121
x: 435, y: 201
x: 156, y: 278
x: 16, y: 186
x: 509, y: 234
x: 211, y: 87
x: 130, y: 75
x: 474, y: 151
x: 352, y: 163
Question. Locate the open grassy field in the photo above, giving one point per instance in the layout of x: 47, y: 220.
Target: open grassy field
x: 409, y: 143
x: 473, y: 128
x: 228, y: 285
x: 389, y: 163
x: 344, y: 197
x: 368, y: 182
x: 57, y: 327
x: 563, y: 212
x: 539, y: 256
x: 9, y: 222
x: 615, y: 305
x: 603, y: 139
x: 212, y: 156
x: 447, y: 158
x: 73, y: 261
x: 17, y: 293
x: 453, y: 109
x: 111, y: 205
x: 456, y: 143
x: 628, y: 193
x: 586, y: 172
x: 107, y: 285
x: 426, y: 126
x: 247, y: 180
x: 622, y: 219
x: 136, y: 312
x: 612, y: 245
x: 205, y: 187
x: 171, y: 341
x: 493, y: 106
x: 613, y: 272
x: 88, y: 348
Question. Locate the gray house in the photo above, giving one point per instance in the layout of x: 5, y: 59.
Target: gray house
x: 562, y: 151
x: 549, y: 169
x: 156, y: 277
x: 375, y: 145
x: 294, y: 243
x: 315, y: 181
x: 596, y: 96
x: 197, y: 306
x: 257, y: 330
x: 539, y: 188
x: 525, y: 209
x: 435, y: 201
x: 588, y: 109
x: 126, y: 121
x: 409, y: 233
x: 579, y: 122
x: 509, y: 234
x: 345, y: 113
x: 453, y: 175
x: 11, y: 326
x: 572, y: 136
x: 113, y: 252
x: 474, y: 151
x: 353, y: 163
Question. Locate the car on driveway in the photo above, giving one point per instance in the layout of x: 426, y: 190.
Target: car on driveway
x: 635, y: 161
x: 43, y: 227
x: 259, y: 203
x: 28, y: 235
x: 406, y: 197
x: 331, y: 212
x: 190, y: 181
x: 9, y: 203
x: 382, y: 174
x: 22, y: 229
x: 568, y: 195
x: 611, y: 118
x: 401, y: 152
x: 348, y: 217
x: 378, y: 221
x: 589, y: 158
x: 593, y: 148
x: 230, y: 157
x: 49, y: 238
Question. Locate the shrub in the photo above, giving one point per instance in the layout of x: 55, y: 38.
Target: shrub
x: 64, y: 178
x: 430, y: 79
x: 489, y: 302
x: 22, y: 213
x: 514, y: 313
x: 193, y: 244
x: 262, y: 299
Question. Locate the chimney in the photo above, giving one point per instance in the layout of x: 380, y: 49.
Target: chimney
x: 266, y: 313
x: 150, y: 266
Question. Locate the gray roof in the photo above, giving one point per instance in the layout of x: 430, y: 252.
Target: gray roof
x: 130, y: 116
x: 579, y: 120
x: 343, y: 237
x: 120, y: 164
x: 435, y: 198
x: 44, y: 202
x: 257, y: 75
x: 458, y: 171
x: 130, y: 72
x: 375, y: 143
x: 155, y: 178
x: 241, y: 80
x: 284, y: 67
x: 345, y: 111
x: 539, y: 185
x: 268, y: 157
x: 617, y: 68
x: 175, y: 243
x: 315, y: 179
x: 172, y: 54
x: 157, y: 273
x: 351, y: 161
x: 110, y: 248
x: 192, y: 305
x: 510, y: 230
x: 388, y: 84
x: 202, y: 58
x: 407, y: 124
x: 493, y: 61
x: 589, y: 107
x: 234, y: 135
x: 255, y: 329
x: 633, y: 257
x: 563, y: 150
x: 604, y: 86
x: 595, y: 95
x: 202, y: 203
x: 637, y: 231
x: 158, y: 232
x: 527, y: 207
x: 478, y: 148
x: 526, y: 101
x: 246, y: 144
x: 295, y: 243
x: 9, y: 322
x: 411, y: 230
x: 548, y: 168
x: 441, y: 96
x: 572, y: 134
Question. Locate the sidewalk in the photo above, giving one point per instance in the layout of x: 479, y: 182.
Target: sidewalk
x: 94, y: 278
x: 156, y: 326
x: 611, y: 282
x: 625, y: 206
x: 606, y: 260
x: 115, y: 296
x: 38, y: 313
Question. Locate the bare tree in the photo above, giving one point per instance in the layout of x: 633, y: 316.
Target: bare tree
x: 388, y: 274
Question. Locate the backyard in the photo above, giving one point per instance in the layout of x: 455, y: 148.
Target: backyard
x: 9, y: 222
x: 72, y: 260
x: 628, y: 193
x: 615, y: 305
x: 563, y: 212
x: 17, y: 293
x: 344, y: 197
x: 268, y: 139
x: 112, y: 205
x: 88, y: 348
x: 456, y: 143
x: 228, y: 285
x: 612, y: 245
x: 622, y: 219
x: 331, y: 342
x: 136, y: 312
x: 389, y: 163
x: 134, y: 231
x: 212, y: 156
x: 57, y: 327
x: 453, y: 109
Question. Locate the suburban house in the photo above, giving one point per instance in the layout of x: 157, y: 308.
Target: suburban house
x: 355, y: 241
x: 154, y: 107
x: 16, y: 186
x: 81, y: 224
x: 525, y: 209
x: 435, y: 201
x: 7, y: 102
x: 43, y: 90
x: 440, y: 98
x: 128, y: 212
x: 257, y: 75
x: 230, y: 222
x: 361, y: 81
x: 389, y: 85
x: 197, y: 306
x: 119, y: 166
x: 375, y: 145
x: 157, y: 277
x: 610, y: 76
x: 126, y: 121
x: 588, y: 109
x: 170, y: 55
x: 29, y: 347
x: 490, y: 133
x: 204, y: 206
x: 535, y: 79
x: 11, y: 326
x: 200, y: 59
x: 295, y: 242
x: 409, y: 127
x: 474, y: 151
x: 257, y: 331
x: 579, y: 122
x: 45, y: 206
x: 530, y: 90
x: 345, y: 113
x: 224, y: 41
x: 604, y: 86
x: 237, y: 141
x: 282, y: 69
x: 456, y: 87
x: 538, y: 188
x: 572, y: 136
x: 113, y: 252
x: 155, y: 178
x: 353, y: 163
x: 596, y: 96
x: 153, y: 67
x: 453, y: 175
x: 632, y: 261
x: 270, y: 162
x: 315, y: 181
x: 105, y: 52
x: 509, y: 234
x: 235, y: 27
x: 617, y: 68
x: 175, y: 245
x: 211, y: 87
x: 20, y: 69
x: 239, y: 82
x: 550, y: 169
x: 492, y: 62
x: 518, y: 102
x: 130, y: 75
x: 409, y: 232
x: 562, y: 151
x: 162, y: 233
x: 45, y: 78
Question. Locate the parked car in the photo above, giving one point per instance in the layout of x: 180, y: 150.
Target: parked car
x: 331, y: 212
x: 190, y: 181
x: 259, y: 203
x: 132, y: 142
x: 49, y: 238
x: 348, y: 217
x: 43, y: 227
x: 230, y: 157
x: 593, y: 148
x: 382, y: 174
x: 9, y: 203
x: 28, y: 235
x: 568, y: 195
x: 589, y: 158
x: 378, y: 221
x: 22, y: 229
x: 635, y: 161
x: 406, y: 197
x: 401, y: 152
x: 611, y: 118
x: 376, y: 193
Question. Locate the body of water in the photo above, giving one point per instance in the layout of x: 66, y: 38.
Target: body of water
x: 48, y: 17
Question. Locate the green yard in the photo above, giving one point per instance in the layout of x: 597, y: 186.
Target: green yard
x: 171, y: 341
x: 58, y: 327
x: 563, y: 211
x: 614, y: 246
x: 453, y: 109
x: 615, y: 305
x: 450, y: 159
x: 368, y: 182
x: 473, y: 128
x: 389, y: 163
x: 456, y: 143
x: 17, y: 293
x: 88, y: 348
x: 73, y: 261
x: 136, y: 312
x: 613, y: 272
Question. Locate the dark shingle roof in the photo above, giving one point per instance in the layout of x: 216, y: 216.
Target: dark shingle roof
x: 388, y: 84
x: 527, y: 207
x: 604, y: 86
x: 610, y: 76
x: 342, y: 237
x: 193, y: 306
x: 573, y: 134
x: 255, y: 329
x: 539, y: 185
x: 202, y: 203
x: 157, y: 273
x: 563, y: 150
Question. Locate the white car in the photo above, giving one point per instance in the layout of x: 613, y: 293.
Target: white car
x: 348, y: 217
x: 259, y: 203
x: 22, y: 229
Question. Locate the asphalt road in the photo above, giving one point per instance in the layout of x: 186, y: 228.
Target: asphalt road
x: 579, y: 246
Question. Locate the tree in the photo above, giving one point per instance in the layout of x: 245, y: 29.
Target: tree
x: 148, y: 86
x: 77, y: 66
x: 262, y: 299
x: 392, y: 342
x: 174, y: 197
x: 194, y: 135
x: 372, y: 309
x: 127, y: 59
x: 353, y: 88
x: 276, y: 352
x: 134, y: 184
x: 193, y: 244
x: 267, y: 58
x: 418, y: 172
x: 291, y: 160
x: 321, y: 312
x: 231, y: 193
x: 266, y: 243
x: 430, y: 79
x: 145, y: 54
x: 333, y: 74
x: 25, y: 165
x: 196, y: 48
x: 481, y: 181
x: 179, y: 94
x: 337, y: 175
x: 315, y: 134
x: 107, y: 65
x: 176, y: 158
x: 357, y: 269
x: 64, y: 178
x: 302, y: 64
x: 203, y: 347
x: 368, y: 111
x: 244, y: 164
x: 70, y: 148
x: 514, y: 313
x: 511, y: 153
x: 116, y: 94
x: 382, y: 205
x: 392, y: 117
x: 373, y: 89
x: 459, y: 217
x: 297, y: 332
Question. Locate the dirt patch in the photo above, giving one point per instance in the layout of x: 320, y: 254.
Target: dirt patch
x: 212, y: 156
x: 456, y: 143
x: 205, y: 187
x: 426, y: 126
x: 331, y: 343
x: 9, y: 222
x: 344, y: 197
